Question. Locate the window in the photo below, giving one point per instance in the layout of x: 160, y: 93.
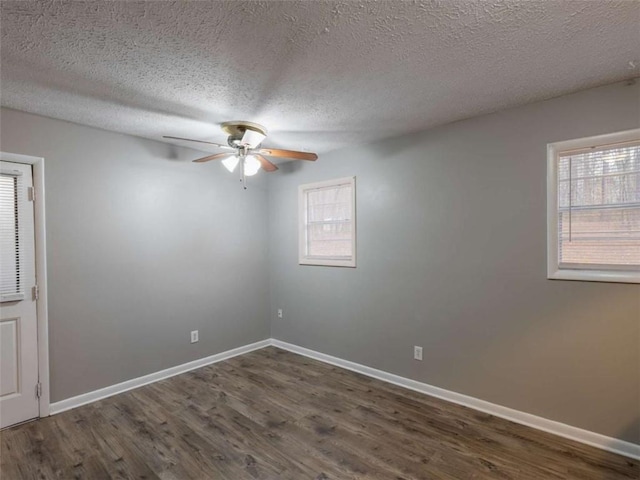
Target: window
x: 328, y: 223
x: 16, y: 240
x: 594, y: 208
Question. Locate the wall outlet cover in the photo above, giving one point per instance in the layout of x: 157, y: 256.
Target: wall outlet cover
x: 194, y: 336
x: 417, y: 353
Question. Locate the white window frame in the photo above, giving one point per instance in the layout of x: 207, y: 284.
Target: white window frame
x: 303, y: 258
x: 554, y: 270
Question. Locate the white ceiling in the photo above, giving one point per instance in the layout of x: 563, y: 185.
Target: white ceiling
x: 318, y: 74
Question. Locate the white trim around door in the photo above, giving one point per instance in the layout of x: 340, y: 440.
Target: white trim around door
x: 37, y: 164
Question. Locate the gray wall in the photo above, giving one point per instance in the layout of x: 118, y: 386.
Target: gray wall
x: 452, y: 256
x: 143, y: 246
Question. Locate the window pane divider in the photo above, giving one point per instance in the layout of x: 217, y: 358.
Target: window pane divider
x: 603, y: 175
x: 606, y: 206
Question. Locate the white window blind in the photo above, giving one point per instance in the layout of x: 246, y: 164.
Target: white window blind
x: 597, y: 218
x: 599, y: 207
x: 327, y: 223
x: 16, y: 237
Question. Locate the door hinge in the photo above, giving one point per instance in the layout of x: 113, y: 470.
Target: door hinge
x: 38, y: 390
x: 32, y: 194
x: 36, y: 292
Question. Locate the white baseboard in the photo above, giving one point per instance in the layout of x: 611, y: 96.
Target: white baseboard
x: 597, y: 440
x: 105, y: 392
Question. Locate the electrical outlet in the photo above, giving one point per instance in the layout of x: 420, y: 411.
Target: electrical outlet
x: 194, y: 336
x: 417, y: 353
x: 279, y: 313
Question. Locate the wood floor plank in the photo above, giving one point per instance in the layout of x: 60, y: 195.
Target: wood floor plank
x: 271, y: 414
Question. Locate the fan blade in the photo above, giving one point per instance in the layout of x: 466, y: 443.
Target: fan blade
x: 267, y: 166
x: 226, y: 147
x: 276, y: 152
x: 216, y: 156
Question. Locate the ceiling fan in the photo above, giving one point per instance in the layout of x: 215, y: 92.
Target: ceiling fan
x: 243, y: 144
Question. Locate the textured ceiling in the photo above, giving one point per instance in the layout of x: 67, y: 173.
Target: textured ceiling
x: 318, y: 74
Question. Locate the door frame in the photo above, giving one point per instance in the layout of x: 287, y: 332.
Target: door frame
x: 37, y: 165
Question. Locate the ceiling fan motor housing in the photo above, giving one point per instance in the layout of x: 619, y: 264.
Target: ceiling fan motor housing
x: 237, y: 131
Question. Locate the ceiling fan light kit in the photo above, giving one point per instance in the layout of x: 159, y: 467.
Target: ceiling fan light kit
x: 251, y: 165
x: 230, y: 163
x: 244, y: 139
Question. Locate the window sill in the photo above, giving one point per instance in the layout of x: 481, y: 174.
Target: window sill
x: 327, y: 262
x: 595, y: 276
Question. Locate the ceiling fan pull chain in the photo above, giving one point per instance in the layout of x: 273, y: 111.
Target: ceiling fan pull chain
x: 243, y: 177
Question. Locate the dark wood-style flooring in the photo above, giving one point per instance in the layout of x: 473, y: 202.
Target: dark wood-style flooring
x: 272, y: 414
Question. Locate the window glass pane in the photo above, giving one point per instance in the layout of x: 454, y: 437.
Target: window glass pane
x: 599, y: 207
x: 333, y: 240
x: 9, y: 253
x: 329, y: 204
x: 596, y: 237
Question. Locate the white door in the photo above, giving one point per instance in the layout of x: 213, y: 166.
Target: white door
x: 18, y: 320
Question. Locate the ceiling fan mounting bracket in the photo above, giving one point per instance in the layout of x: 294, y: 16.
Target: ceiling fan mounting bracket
x: 238, y: 127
